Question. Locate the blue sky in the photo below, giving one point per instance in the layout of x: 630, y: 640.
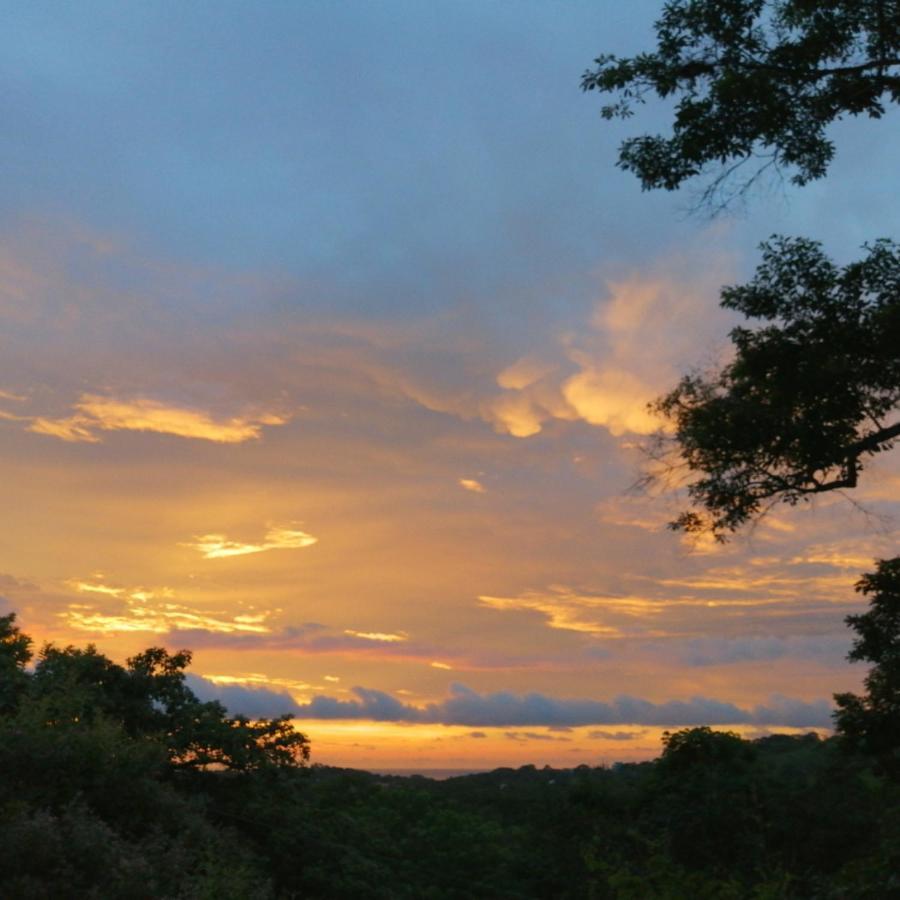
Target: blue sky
x: 367, y: 272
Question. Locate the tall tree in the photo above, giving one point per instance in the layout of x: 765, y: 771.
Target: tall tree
x: 15, y: 654
x: 149, y: 699
x: 809, y: 396
x: 753, y: 80
x: 871, y: 723
x: 812, y: 392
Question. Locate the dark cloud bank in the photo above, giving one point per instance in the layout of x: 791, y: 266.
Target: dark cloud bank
x: 467, y: 707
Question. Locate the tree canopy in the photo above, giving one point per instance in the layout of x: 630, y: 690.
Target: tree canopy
x: 147, y: 698
x: 98, y: 798
x: 871, y: 723
x: 809, y: 395
x: 753, y: 80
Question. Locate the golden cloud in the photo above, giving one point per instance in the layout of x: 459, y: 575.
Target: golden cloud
x: 470, y: 484
x: 137, y: 612
x: 386, y: 637
x: 613, y: 398
x: 627, y: 355
x: 94, y: 413
x: 564, y: 611
x: 219, y: 546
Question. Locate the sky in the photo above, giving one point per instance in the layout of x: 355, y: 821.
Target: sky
x: 326, y: 337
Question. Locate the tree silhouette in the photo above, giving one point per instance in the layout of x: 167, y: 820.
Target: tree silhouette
x: 754, y: 80
x: 809, y: 395
x: 149, y: 699
x: 871, y: 723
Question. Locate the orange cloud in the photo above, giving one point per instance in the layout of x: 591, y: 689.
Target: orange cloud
x: 386, y: 637
x: 218, y: 546
x: 627, y: 355
x: 97, y: 414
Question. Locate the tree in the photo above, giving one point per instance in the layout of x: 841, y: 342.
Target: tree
x: 808, y: 396
x: 754, y: 80
x: 15, y: 654
x: 871, y: 723
x: 149, y: 699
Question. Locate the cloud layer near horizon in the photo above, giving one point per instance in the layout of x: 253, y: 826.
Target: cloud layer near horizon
x: 506, y: 709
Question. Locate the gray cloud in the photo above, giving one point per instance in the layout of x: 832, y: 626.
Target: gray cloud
x: 615, y: 735
x: 255, y: 703
x: 503, y: 709
x: 718, y: 651
x: 534, y: 736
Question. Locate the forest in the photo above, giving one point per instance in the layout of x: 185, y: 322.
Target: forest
x: 118, y: 782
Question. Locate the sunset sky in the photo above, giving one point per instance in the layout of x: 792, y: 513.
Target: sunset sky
x: 328, y: 331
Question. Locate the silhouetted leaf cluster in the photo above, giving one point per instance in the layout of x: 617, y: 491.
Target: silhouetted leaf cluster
x: 754, y: 80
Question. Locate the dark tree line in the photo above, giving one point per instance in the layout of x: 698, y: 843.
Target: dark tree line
x: 117, y: 783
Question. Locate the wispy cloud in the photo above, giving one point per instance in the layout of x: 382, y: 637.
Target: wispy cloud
x: 572, y: 611
x: 128, y: 610
x: 94, y: 414
x: 471, y: 484
x: 384, y: 637
x: 534, y: 736
x: 219, y: 546
x: 601, y: 735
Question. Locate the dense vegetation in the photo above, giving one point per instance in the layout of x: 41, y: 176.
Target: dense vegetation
x: 117, y: 782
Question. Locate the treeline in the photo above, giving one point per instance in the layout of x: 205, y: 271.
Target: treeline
x: 117, y: 782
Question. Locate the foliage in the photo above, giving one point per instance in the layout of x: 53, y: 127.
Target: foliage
x: 753, y: 80
x: 804, y: 403
x: 149, y: 697
x: 871, y: 723
x: 807, y: 396
x: 101, y: 777
x: 15, y: 654
x: 108, y: 791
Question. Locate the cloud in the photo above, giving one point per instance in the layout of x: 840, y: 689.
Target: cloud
x: 718, y: 651
x: 572, y: 611
x: 611, y: 397
x: 615, y: 735
x: 607, y: 373
x: 218, y: 546
x: 156, y: 621
x: 470, y: 484
x: 385, y: 637
x: 253, y: 702
x: 87, y: 587
x: 313, y: 638
x: 504, y: 709
x: 94, y: 413
x: 534, y: 736
x: 118, y: 610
